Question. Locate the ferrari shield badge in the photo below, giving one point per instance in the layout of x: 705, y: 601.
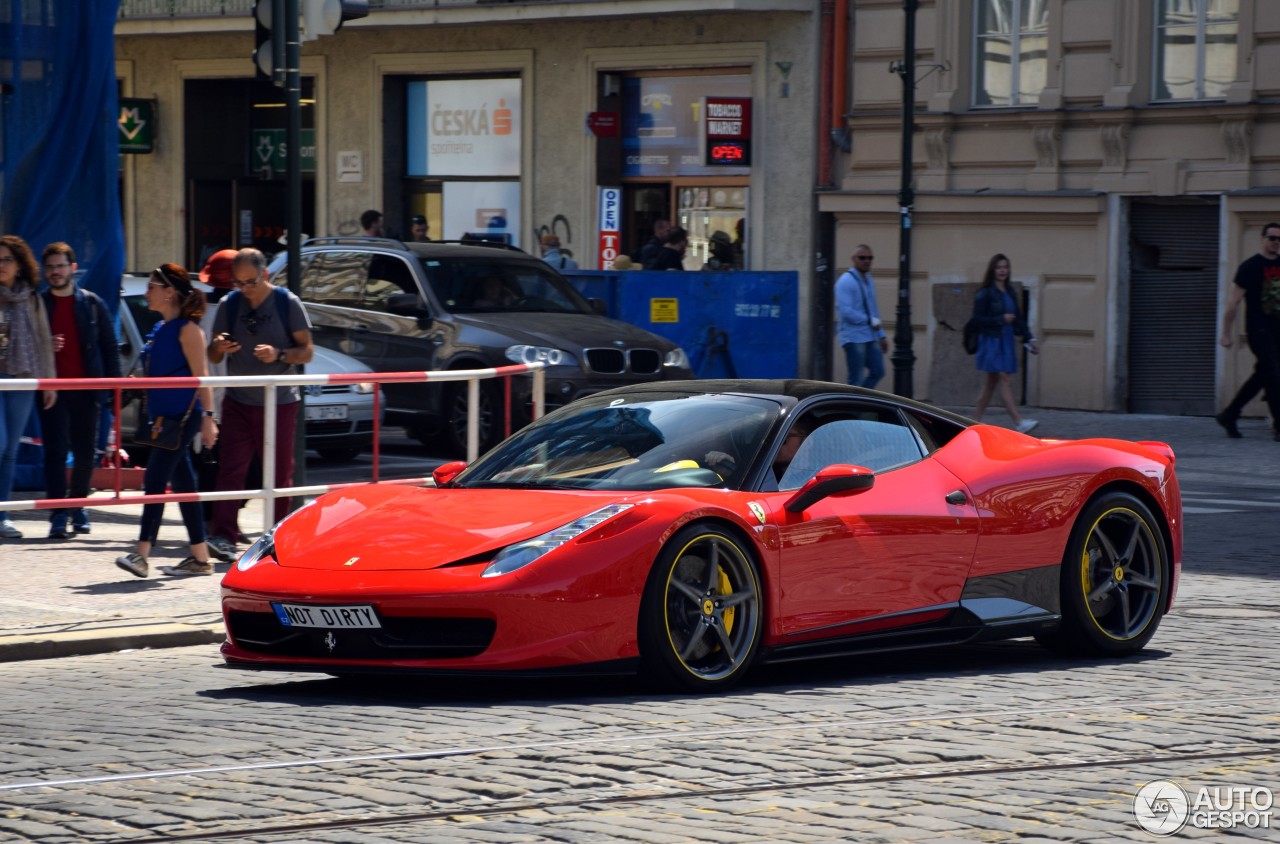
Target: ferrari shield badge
x: 756, y: 510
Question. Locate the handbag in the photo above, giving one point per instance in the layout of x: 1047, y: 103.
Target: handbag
x: 164, y: 431
x: 971, y: 332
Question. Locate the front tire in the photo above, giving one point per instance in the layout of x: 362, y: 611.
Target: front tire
x: 455, y: 412
x: 1115, y: 579
x: 702, y: 614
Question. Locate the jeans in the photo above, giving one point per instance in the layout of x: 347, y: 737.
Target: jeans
x: 71, y: 425
x: 864, y: 356
x: 173, y: 468
x: 241, y: 433
x: 15, y: 410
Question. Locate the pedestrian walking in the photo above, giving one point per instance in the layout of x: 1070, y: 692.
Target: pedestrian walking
x: 260, y: 329
x: 999, y: 320
x: 860, y: 330
x: 26, y: 351
x: 174, y: 349
x: 1257, y: 282
x: 84, y: 346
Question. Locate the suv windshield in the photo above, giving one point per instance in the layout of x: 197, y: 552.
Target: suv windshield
x: 471, y: 287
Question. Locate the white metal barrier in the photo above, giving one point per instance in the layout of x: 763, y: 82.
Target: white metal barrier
x: 269, y: 494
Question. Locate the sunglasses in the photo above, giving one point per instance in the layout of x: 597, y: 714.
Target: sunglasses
x: 864, y: 257
x: 1273, y: 237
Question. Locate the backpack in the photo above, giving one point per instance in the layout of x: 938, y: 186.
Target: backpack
x: 971, y: 332
x: 279, y: 294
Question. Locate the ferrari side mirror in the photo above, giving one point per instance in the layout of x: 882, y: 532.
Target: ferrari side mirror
x: 833, y: 480
x: 444, y: 475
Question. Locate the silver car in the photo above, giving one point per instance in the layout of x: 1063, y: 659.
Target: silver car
x: 339, y: 416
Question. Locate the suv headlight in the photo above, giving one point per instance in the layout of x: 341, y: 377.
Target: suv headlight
x: 549, y: 355
x: 677, y: 358
x: 518, y: 556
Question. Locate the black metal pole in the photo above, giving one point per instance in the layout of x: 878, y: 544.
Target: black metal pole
x: 902, y: 357
x: 293, y: 169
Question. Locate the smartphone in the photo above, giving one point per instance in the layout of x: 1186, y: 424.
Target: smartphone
x: 1030, y: 348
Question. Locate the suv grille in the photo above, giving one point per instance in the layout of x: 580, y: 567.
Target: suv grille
x: 615, y: 361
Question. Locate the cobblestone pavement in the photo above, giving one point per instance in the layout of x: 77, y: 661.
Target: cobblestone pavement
x: 984, y: 743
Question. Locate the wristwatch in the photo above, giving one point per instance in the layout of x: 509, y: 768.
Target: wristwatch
x: 280, y: 356
x: 209, y: 413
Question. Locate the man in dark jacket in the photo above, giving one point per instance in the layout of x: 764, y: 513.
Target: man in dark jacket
x: 84, y: 346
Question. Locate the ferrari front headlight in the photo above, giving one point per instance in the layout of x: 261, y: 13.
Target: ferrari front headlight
x: 518, y: 556
x: 265, y: 546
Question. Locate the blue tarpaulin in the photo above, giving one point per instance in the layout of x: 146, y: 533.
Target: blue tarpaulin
x: 731, y: 324
x: 59, y: 165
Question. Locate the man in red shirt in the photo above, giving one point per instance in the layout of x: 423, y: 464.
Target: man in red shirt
x: 84, y: 346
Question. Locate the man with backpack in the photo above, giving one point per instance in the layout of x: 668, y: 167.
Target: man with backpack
x: 260, y: 329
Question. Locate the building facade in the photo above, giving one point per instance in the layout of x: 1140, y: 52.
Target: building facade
x: 1122, y: 153
x: 501, y: 120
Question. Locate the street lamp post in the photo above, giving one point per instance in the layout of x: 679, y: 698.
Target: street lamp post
x: 902, y: 357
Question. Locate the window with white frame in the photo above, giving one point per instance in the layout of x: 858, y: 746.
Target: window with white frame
x: 1195, y: 48
x: 1011, y: 46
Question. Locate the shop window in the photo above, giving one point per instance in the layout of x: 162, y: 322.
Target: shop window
x: 1011, y: 45
x: 1195, y: 51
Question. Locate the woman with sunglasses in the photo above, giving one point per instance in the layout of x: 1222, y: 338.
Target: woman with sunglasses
x: 175, y: 348
x: 26, y: 351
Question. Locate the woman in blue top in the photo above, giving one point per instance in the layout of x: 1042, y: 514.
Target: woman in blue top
x: 996, y: 310
x: 175, y: 348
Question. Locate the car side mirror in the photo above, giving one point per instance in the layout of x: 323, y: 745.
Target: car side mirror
x: 444, y: 475
x: 838, y: 479
x: 406, y: 304
x: 598, y: 305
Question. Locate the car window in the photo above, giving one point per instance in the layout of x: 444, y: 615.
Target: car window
x: 868, y: 436
x: 335, y: 278
x: 494, y: 286
x: 389, y: 275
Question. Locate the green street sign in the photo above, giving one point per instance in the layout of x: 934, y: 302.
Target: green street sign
x: 137, y: 125
x: 267, y: 152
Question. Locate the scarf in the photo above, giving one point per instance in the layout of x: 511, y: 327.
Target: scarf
x: 18, y: 358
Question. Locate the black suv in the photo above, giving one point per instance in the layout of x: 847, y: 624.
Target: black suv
x: 447, y: 305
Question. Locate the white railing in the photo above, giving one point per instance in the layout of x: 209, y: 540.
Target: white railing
x: 269, y: 494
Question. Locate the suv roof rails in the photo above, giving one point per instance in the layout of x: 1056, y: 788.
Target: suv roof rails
x: 363, y: 240
x: 480, y: 241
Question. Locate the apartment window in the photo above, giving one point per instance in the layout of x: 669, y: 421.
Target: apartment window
x: 1011, y: 51
x: 1195, y: 48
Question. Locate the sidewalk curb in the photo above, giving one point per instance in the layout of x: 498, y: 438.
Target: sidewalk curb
x: 97, y: 639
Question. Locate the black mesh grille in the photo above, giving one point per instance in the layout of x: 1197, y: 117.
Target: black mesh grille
x: 646, y: 361
x: 400, y: 638
x: 611, y: 361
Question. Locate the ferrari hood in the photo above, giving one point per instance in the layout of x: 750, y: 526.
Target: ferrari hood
x: 387, y: 527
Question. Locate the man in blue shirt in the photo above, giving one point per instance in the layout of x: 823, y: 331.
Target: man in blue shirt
x: 860, y: 331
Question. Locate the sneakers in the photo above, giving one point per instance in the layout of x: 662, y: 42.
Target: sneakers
x: 58, y: 527
x: 80, y: 521
x: 9, y: 531
x: 135, y: 564
x: 1228, y: 424
x: 221, y: 548
x: 188, y: 567
x: 1026, y: 426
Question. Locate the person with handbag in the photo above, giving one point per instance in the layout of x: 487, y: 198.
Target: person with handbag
x: 999, y: 319
x: 26, y: 351
x: 174, y: 417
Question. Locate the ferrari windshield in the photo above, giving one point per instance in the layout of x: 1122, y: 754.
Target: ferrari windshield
x: 659, y: 442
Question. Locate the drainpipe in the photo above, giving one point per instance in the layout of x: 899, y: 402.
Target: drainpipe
x: 825, y: 81
x: 840, y: 76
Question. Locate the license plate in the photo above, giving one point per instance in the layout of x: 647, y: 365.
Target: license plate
x: 348, y: 617
x: 327, y: 411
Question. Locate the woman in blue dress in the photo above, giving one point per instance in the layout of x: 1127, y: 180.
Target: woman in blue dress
x: 999, y: 320
x: 175, y: 349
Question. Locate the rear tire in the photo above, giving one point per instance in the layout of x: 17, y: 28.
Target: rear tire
x: 701, y: 617
x: 1115, y: 579
x: 340, y: 455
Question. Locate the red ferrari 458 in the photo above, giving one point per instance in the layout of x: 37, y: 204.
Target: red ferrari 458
x: 692, y: 530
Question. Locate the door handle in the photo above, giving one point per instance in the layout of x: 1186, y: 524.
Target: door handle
x: 957, y: 497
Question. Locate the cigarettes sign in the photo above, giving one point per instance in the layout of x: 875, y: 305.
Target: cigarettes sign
x: 727, y: 131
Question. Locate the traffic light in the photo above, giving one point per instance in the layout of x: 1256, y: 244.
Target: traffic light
x: 325, y: 17
x: 268, y: 54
